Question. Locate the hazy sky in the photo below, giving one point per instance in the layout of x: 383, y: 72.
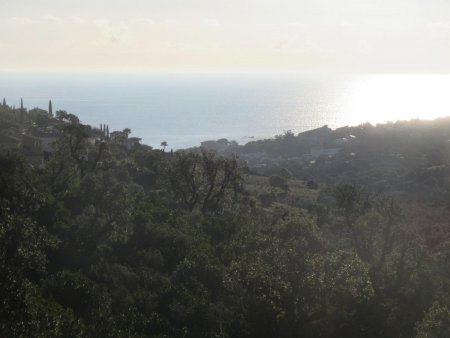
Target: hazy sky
x: 329, y: 35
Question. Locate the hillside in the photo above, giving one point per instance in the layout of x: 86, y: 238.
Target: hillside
x: 103, y: 236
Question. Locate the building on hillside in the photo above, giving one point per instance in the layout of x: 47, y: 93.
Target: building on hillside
x: 319, y: 136
x: 47, y: 135
x: 344, y: 140
x: 32, y: 150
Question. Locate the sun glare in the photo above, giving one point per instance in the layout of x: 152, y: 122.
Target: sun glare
x: 381, y: 98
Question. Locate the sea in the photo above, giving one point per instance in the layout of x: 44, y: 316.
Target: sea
x: 187, y: 108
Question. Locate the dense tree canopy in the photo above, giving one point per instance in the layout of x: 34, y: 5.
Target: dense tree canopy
x: 114, y: 242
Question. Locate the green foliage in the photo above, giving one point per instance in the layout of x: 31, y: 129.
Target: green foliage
x: 436, y: 323
x: 110, y: 242
x: 23, y: 241
x: 62, y: 115
x: 204, y: 181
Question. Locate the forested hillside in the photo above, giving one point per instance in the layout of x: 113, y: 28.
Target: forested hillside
x: 104, y: 239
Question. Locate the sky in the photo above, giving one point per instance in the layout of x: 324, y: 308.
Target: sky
x: 388, y: 36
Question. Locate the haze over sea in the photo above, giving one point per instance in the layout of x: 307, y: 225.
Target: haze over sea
x: 185, y: 109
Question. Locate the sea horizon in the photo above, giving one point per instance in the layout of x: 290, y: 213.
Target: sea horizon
x: 185, y: 109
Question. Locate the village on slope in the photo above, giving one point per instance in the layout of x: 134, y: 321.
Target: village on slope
x: 33, y: 132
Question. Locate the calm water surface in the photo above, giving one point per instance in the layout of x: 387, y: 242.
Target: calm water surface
x: 185, y: 109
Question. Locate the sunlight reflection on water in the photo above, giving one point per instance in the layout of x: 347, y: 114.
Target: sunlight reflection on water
x: 381, y: 98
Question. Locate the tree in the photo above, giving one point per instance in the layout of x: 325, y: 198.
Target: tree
x: 103, y: 130
x: 350, y: 203
x: 436, y: 323
x: 23, y: 240
x: 74, y: 155
x: 21, y: 104
x: 164, y: 145
x: 50, y: 109
x: 204, y: 180
x: 4, y: 102
x: 62, y: 115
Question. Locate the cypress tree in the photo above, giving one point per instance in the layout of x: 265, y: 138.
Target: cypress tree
x: 50, y: 108
x: 21, y: 104
x: 107, y: 131
x: 4, y: 102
